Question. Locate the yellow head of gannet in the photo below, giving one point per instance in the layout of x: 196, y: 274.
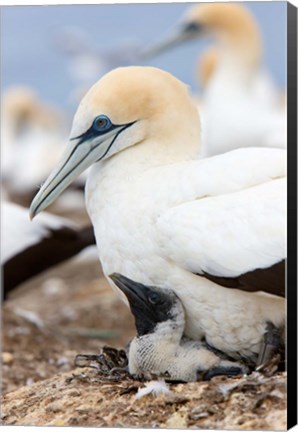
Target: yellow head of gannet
x: 22, y: 108
x: 127, y: 107
x: 232, y: 25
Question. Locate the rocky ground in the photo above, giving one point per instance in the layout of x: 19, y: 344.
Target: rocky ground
x: 71, y: 310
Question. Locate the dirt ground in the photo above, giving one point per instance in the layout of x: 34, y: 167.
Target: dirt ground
x: 70, y: 310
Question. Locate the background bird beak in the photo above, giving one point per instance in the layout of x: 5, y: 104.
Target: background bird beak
x: 79, y: 156
x: 181, y: 34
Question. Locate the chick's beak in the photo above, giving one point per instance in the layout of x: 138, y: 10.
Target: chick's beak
x: 134, y: 291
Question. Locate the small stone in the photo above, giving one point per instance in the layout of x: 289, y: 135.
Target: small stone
x: 7, y: 358
x: 57, y: 422
x: 29, y: 381
x: 178, y: 420
x: 73, y: 392
x: 83, y: 409
x: 62, y: 361
x: 54, y: 406
x: 199, y: 415
x: 277, y: 393
x: 73, y: 421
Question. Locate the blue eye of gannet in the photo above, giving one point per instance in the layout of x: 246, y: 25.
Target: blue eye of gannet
x: 102, y: 123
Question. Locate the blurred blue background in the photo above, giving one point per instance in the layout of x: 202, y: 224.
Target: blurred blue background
x: 31, y: 53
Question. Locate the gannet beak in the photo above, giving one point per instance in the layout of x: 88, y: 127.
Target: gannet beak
x: 80, y: 154
x: 146, y: 315
x: 185, y: 32
x: 134, y: 291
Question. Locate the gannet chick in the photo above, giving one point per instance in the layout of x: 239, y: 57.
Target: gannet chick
x: 31, y: 248
x: 212, y: 229
x: 159, y: 349
x: 240, y: 98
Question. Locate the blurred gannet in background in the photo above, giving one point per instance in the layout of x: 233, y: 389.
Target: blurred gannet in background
x: 240, y: 97
x: 86, y: 63
x: 27, y: 248
x: 159, y: 349
x: 211, y: 229
x: 32, y: 136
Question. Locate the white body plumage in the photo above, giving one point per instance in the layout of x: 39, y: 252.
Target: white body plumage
x: 161, y: 216
x: 159, y: 224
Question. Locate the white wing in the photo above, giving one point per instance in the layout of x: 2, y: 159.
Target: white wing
x: 230, y: 234
x: 18, y: 233
x: 28, y: 248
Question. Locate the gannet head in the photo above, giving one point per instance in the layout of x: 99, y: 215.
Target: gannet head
x: 22, y: 108
x: 155, y: 310
x: 231, y: 24
x: 127, y: 107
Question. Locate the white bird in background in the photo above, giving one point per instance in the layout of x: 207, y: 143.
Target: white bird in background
x: 87, y: 63
x: 32, y: 136
x: 212, y: 229
x: 27, y: 248
x: 240, y: 96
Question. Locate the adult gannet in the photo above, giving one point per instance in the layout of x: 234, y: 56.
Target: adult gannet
x: 159, y: 349
x: 240, y: 97
x: 30, y: 248
x: 212, y: 229
x: 32, y: 135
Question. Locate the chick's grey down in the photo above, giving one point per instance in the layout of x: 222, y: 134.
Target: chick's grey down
x: 159, y: 349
